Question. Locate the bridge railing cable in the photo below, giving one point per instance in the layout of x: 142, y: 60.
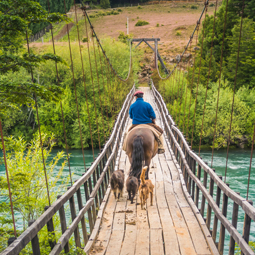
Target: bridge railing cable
x: 195, y: 173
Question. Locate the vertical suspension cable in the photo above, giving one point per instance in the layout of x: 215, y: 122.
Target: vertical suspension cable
x: 181, y: 97
x: 99, y: 94
x: 39, y: 129
x: 194, y: 116
x: 76, y: 100
x: 108, y: 83
x: 184, y: 109
x: 84, y: 81
x: 249, y: 176
x: 233, y: 100
x: 178, y: 88
x: 8, y: 180
x: 92, y: 80
x: 221, y: 61
x: 103, y: 85
x: 61, y: 107
x: 208, y: 77
x: 192, y: 82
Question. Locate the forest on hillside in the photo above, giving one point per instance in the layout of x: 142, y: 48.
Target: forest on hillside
x: 186, y: 102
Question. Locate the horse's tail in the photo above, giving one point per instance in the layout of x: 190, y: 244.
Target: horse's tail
x: 137, y: 156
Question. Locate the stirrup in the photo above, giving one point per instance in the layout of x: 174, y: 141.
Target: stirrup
x: 161, y: 151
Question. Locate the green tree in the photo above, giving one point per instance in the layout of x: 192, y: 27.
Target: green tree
x: 246, y: 64
x: 105, y: 4
x: 27, y: 182
x: 15, y: 19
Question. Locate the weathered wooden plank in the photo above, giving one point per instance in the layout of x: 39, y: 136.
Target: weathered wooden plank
x: 106, y: 227
x: 156, y: 242
x: 115, y: 243
x: 197, y: 236
x: 179, y: 194
x: 129, y: 243
x: 169, y: 234
x: 143, y: 241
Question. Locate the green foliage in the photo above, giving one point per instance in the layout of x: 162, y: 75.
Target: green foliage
x: 22, y: 121
x: 141, y: 23
x: 157, y: 25
x: 178, y: 33
x: 102, y: 13
x: 105, y: 4
x: 124, y: 38
x: 245, y: 75
x: 139, y: 7
x: 238, y: 249
x: 243, y: 115
x: 193, y: 7
x: 27, y: 183
x: 119, y: 10
x: 246, y: 65
x: 16, y: 19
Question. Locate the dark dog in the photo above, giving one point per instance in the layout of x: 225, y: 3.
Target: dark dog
x: 132, y: 187
x: 117, y: 182
x: 146, y: 188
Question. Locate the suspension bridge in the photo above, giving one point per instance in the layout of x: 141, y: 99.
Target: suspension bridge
x: 191, y: 213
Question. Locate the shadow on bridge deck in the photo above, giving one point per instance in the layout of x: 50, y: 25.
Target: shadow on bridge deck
x: 167, y: 227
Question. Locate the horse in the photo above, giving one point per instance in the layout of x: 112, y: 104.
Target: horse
x: 141, y: 146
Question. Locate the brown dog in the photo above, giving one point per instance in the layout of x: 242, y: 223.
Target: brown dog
x: 145, y: 188
x: 117, y: 182
x: 132, y: 187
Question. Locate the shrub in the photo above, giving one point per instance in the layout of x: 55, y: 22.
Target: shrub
x: 137, y: 17
x: 157, y: 25
x: 178, y: 33
x: 193, y: 7
x: 124, y: 38
x: 139, y: 7
x: 105, y: 4
x: 140, y: 23
x: 119, y: 10
x: 211, y: 4
x: 162, y: 25
x: 184, y: 6
x: 85, y: 39
x: 168, y: 11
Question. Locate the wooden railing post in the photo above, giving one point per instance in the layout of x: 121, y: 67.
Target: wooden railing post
x: 50, y: 227
x: 234, y: 223
x: 215, y: 222
x: 193, y: 182
x: 209, y: 209
x: 62, y: 217
x: 35, y: 241
x: 73, y: 215
x: 202, y: 210
x: 93, y: 206
x: 91, y: 224
x: 222, y: 227
x: 197, y: 188
x: 83, y: 223
x: 247, y: 226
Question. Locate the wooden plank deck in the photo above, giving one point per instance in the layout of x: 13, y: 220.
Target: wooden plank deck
x: 167, y: 227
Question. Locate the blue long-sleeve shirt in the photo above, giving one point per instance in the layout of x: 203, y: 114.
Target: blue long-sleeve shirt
x: 141, y: 112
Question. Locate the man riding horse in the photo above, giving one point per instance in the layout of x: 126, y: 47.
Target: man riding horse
x: 144, y: 139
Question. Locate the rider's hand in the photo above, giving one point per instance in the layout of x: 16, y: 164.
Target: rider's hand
x: 154, y: 121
